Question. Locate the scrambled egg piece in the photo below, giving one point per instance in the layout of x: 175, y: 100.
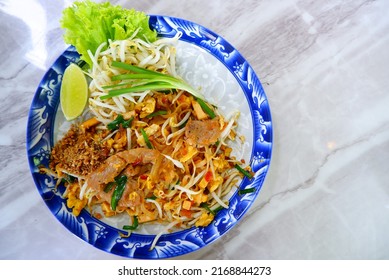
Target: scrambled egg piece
x: 134, y: 197
x: 147, y: 107
x: 198, y: 111
x: 205, y: 219
x: 215, y: 183
x: 199, y: 198
x: 150, y: 130
x: 190, y: 152
x: 73, y: 201
x: 220, y: 163
x: 106, y: 208
x: 171, y: 205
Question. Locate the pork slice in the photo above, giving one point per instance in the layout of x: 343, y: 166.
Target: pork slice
x: 202, y: 133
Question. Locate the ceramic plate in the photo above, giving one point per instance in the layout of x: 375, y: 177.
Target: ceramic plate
x: 205, y: 60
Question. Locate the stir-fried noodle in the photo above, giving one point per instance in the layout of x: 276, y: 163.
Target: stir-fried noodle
x: 156, y: 156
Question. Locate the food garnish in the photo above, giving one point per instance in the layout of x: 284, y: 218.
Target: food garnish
x: 244, y: 191
x: 88, y: 24
x: 119, y: 190
x: 115, y: 124
x: 133, y: 226
x: 245, y: 172
x: 144, y: 79
x: 74, y: 92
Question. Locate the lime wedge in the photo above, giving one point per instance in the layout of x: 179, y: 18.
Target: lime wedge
x: 74, y: 92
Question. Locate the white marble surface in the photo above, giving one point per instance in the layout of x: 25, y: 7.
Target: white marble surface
x: 325, y: 68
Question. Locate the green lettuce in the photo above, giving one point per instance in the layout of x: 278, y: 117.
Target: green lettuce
x: 88, y: 24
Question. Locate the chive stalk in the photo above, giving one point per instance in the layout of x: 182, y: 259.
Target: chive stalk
x: 244, y: 191
x: 157, y: 113
x: 109, y: 187
x: 145, y: 80
x: 153, y: 197
x: 206, y: 207
x: 133, y: 226
x: 146, y: 138
x: 119, y: 190
x: 206, y: 108
x: 120, y: 121
x: 244, y: 171
x: 213, y: 212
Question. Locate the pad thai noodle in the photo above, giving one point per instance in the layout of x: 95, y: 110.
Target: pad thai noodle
x: 154, y: 155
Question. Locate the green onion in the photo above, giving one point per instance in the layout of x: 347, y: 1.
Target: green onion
x: 250, y: 190
x: 109, y: 186
x: 168, y: 91
x: 218, y: 209
x: 148, y: 143
x: 153, y: 197
x: 131, y: 67
x: 213, y: 212
x: 81, y: 63
x: 119, y: 190
x: 133, y: 226
x: 244, y: 171
x: 138, y: 88
x: 146, y: 80
x: 157, y: 113
x: 206, y: 207
x: 68, y: 179
x: 133, y: 77
x: 127, y: 123
x: 120, y: 121
x: 206, y: 108
x: 115, y: 123
x: 117, y: 85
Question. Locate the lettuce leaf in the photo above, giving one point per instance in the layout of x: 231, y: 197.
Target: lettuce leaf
x: 88, y: 24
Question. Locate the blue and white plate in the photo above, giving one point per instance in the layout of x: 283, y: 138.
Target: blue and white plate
x: 205, y: 60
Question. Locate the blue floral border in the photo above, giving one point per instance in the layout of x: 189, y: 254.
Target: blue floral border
x: 40, y: 141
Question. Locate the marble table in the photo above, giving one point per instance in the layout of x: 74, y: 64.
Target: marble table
x: 324, y: 67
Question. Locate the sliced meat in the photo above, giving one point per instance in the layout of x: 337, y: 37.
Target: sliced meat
x: 202, y: 133
x: 139, y: 156
x: 106, y: 172
x: 115, y: 164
